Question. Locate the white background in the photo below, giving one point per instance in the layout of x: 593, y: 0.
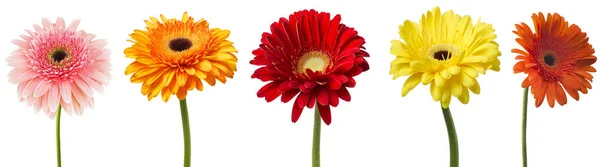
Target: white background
x: 232, y: 128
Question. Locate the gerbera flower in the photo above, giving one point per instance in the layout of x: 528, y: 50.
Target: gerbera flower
x: 556, y: 57
x: 311, y: 57
x: 448, y: 52
x: 58, y: 67
x: 174, y: 56
x: 445, y: 51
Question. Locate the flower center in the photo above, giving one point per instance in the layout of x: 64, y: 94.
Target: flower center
x: 180, y: 44
x: 442, y: 55
x: 549, y: 59
x: 442, y: 52
x: 314, y: 60
x: 58, y: 55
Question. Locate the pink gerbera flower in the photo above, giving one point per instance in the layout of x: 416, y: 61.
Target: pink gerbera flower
x: 58, y: 65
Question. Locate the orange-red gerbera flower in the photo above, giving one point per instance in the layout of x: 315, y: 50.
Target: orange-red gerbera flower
x: 557, y: 58
x: 310, y: 55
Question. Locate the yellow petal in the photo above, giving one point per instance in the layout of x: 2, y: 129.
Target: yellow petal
x: 475, y: 87
x: 446, y: 97
x: 466, y: 80
x: 445, y: 74
x: 464, y: 98
x: 456, y: 88
x: 185, y: 17
x: 439, y: 81
x: 417, y: 65
x: 205, y: 65
x: 166, y: 94
x: 436, y: 92
x: 427, y: 78
x: 454, y: 70
x: 411, y: 83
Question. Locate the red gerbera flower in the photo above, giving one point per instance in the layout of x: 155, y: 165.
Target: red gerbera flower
x: 310, y: 55
x: 557, y: 58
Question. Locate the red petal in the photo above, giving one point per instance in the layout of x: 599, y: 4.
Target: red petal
x: 285, y: 86
x: 303, y: 99
x: 324, y: 28
x: 314, y: 28
x: 333, y: 31
x: 296, y: 111
x: 323, y: 96
x: 333, y: 98
x: 334, y: 83
x: 311, y: 101
x: 325, y: 112
x: 307, y: 86
x: 351, y: 83
x: 289, y: 95
x: 262, y: 92
x: 344, y: 94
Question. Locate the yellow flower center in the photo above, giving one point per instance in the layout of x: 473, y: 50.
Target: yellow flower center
x: 442, y: 52
x: 314, y: 60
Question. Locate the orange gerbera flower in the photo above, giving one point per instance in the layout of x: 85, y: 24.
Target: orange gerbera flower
x: 557, y: 58
x: 173, y: 56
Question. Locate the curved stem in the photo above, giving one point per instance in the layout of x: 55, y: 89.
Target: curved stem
x: 316, y: 147
x: 58, y: 159
x: 453, y: 139
x: 524, y: 127
x: 187, y: 153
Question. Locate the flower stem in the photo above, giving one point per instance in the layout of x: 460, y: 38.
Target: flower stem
x: 316, y: 147
x: 453, y: 139
x: 524, y: 127
x: 58, y: 159
x: 187, y: 153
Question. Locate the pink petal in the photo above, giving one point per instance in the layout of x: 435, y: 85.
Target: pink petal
x: 65, y: 91
x: 20, y: 43
x: 84, y: 87
x: 92, y: 83
x: 41, y: 89
x: 60, y: 22
x: 46, y: 23
x: 17, y: 76
x: 73, y: 25
x: 53, y: 97
x: 30, y: 88
x: 99, y: 43
x: 78, y: 94
x: 37, y: 28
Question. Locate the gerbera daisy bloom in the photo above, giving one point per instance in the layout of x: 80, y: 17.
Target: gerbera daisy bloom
x: 58, y: 67
x: 56, y: 64
x: 311, y: 57
x: 174, y: 56
x: 556, y: 58
x: 314, y: 58
x: 447, y: 52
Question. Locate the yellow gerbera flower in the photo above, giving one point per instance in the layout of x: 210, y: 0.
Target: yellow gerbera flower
x: 445, y: 51
x: 173, y: 56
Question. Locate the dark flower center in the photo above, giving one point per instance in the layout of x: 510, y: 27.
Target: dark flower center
x: 442, y: 55
x: 180, y: 44
x: 549, y: 60
x: 59, y: 55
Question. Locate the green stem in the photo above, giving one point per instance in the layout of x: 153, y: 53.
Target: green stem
x: 524, y: 127
x: 453, y: 139
x: 187, y: 153
x: 316, y: 147
x: 58, y: 159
